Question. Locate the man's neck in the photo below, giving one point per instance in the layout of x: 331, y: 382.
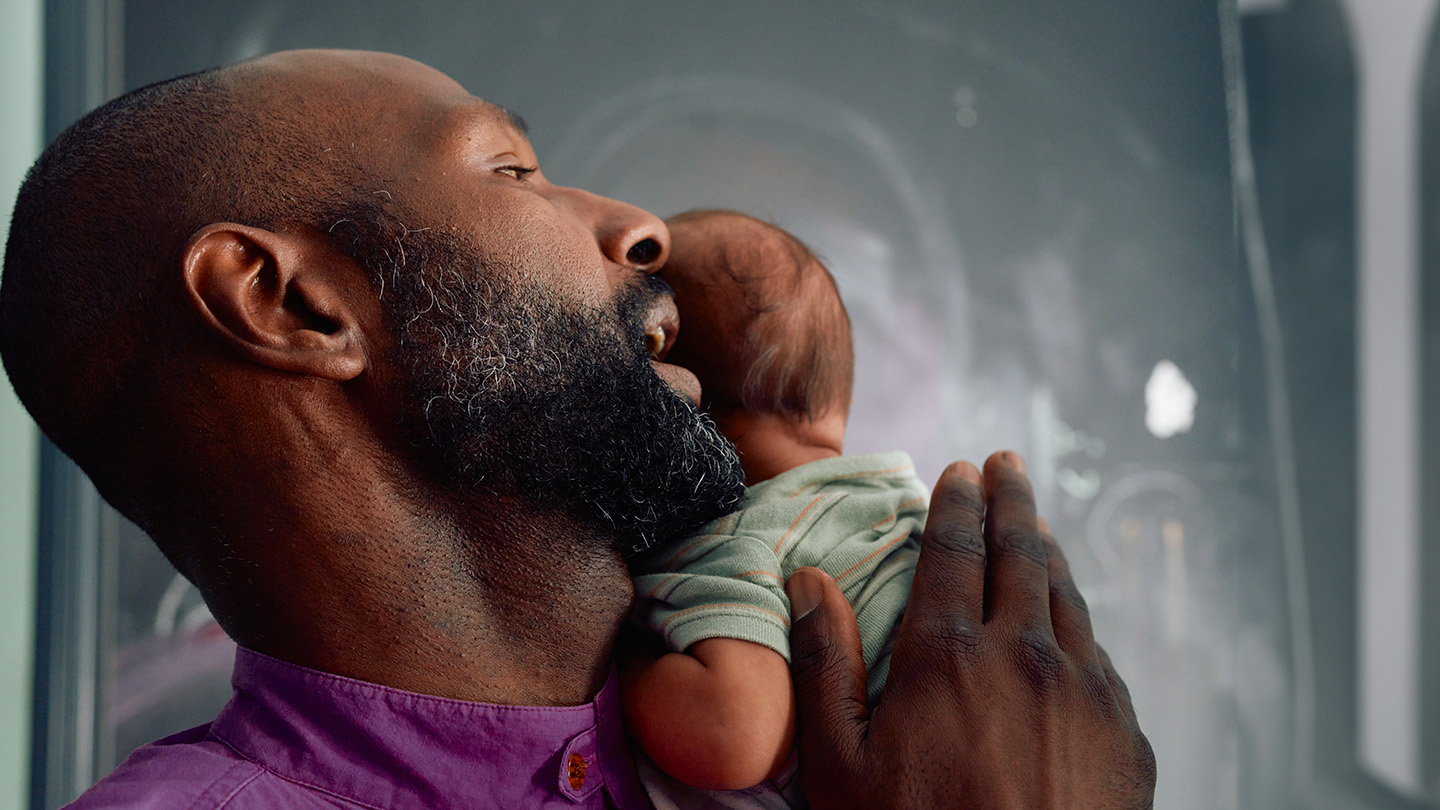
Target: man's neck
x: 498, y: 607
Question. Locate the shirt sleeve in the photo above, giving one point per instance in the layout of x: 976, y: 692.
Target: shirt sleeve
x: 715, y: 585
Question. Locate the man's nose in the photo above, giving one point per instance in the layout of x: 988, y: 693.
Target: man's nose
x: 627, y: 235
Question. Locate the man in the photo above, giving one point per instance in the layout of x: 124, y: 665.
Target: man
x: 397, y: 405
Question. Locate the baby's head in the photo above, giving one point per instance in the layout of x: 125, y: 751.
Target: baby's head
x: 761, y: 321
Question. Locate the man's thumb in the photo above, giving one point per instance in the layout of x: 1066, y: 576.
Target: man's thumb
x: 827, y: 667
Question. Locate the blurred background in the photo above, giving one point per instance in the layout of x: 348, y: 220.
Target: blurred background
x: 1178, y: 253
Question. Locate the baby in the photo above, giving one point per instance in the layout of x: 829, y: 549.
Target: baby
x: 763, y: 327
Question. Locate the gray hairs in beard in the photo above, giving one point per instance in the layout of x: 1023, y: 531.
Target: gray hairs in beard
x: 513, y: 390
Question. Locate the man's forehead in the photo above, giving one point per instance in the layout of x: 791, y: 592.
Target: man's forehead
x: 471, y: 128
x: 494, y: 123
x: 513, y: 119
x: 363, y: 79
x: 387, y: 96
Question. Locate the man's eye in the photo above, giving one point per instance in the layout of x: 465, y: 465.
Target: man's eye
x: 517, y: 172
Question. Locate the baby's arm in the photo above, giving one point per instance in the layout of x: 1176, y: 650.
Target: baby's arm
x: 720, y: 715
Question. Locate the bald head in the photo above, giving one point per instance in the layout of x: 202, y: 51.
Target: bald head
x: 92, y: 327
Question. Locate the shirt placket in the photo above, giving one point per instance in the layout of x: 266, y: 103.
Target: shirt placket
x: 580, y: 775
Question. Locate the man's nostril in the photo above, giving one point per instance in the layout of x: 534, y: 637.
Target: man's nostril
x: 643, y: 252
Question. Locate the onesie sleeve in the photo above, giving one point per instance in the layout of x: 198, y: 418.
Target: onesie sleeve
x: 713, y: 585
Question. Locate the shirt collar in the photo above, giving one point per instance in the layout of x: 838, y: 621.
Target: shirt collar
x: 386, y: 748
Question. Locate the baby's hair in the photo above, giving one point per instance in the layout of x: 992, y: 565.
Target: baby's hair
x: 795, y: 358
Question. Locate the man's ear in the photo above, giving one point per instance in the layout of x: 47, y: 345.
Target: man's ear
x: 277, y: 298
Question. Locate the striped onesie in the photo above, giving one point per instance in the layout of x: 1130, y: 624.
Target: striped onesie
x: 857, y: 518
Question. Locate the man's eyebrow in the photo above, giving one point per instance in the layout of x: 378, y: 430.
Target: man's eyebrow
x: 515, y: 120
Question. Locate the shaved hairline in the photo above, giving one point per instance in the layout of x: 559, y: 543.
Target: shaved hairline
x: 513, y: 117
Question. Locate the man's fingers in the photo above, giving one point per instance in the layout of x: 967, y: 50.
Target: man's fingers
x: 1018, y: 579
x: 1142, y: 765
x: 1069, y: 614
x: 1122, y: 692
x: 829, y: 673
x: 950, y: 575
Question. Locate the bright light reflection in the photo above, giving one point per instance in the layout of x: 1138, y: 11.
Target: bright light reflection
x: 1169, y: 401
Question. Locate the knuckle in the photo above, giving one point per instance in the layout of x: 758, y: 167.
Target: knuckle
x: 1133, y: 784
x: 814, y: 658
x: 1012, y: 488
x: 1118, y: 683
x: 1068, y: 595
x: 1146, y: 771
x: 1041, y: 661
x: 1108, y: 667
x: 953, y: 638
x: 1145, y: 758
x: 1022, y: 542
x: 1097, y: 686
x: 959, y: 538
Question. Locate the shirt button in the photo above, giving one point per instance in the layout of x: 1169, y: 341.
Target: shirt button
x: 576, y: 771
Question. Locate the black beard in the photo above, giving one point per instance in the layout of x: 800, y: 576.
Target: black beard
x: 515, y: 391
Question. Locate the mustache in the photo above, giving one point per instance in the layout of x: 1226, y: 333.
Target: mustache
x: 633, y: 302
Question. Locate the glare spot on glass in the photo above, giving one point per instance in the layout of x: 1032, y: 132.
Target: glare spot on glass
x: 1170, y: 401
x: 1081, y: 485
x: 1066, y: 440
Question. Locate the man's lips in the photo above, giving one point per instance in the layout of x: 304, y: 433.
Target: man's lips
x: 662, y: 324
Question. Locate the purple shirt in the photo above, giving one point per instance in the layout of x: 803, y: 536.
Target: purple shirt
x: 293, y: 737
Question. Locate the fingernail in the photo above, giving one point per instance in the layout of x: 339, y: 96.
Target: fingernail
x: 967, y: 472
x: 1013, y: 459
x: 805, y: 590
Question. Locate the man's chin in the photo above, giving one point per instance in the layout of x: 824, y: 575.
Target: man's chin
x: 563, y: 413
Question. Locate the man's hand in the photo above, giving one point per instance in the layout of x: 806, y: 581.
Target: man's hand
x: 998, y: 696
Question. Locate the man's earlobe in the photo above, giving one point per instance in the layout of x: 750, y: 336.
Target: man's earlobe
x: 276, y: 298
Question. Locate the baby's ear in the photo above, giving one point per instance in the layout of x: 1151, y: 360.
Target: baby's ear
x: 278, y: 299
